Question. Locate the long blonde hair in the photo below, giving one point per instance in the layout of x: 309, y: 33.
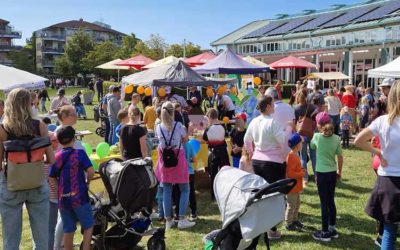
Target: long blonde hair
x: 168, y: 115
x: 393, y: 102
x: 18, y: 119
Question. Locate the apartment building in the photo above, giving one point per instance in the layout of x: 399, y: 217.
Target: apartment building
x: 7, y: 36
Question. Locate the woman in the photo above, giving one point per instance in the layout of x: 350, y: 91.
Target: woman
x: 35, y: 104
x: 383, y: 204
x: 173, y: 134
x: 133, y: 137
x: 18, y: 122
x: 268, y: 155
x: 43, y: 96
x: 333, y: 106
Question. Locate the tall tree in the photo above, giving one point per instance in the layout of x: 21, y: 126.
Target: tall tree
x: 128, y: 46
x: 62, y: 66
x: 23, y: 59
x: 157, y: 45
x: 77, y: 48
x: 141, y: 48
x: 101, y: 53
x: 175, y: 50
x: 192, y: 49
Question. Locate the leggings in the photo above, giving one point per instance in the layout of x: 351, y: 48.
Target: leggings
x: 326, y: 183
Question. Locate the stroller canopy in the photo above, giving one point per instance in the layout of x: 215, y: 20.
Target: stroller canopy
x: 233, y: 188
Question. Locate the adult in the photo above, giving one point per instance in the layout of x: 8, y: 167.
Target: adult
x: 150, y: 115
x: 278, y: 88
x: 59, y: 101
x: 304, y: 109
x: 268, y: 136
x: 103, y: 107
x: 381, y: 104
x: 113, y: 107
x: 174, y: 97
x: 77, y: 102
x: 174, y: 134
x: 225, y: 108
x: 195, y: 93
x: 43, y: 96
x: 181, y: 115
x: 383, y: 204
x: 316, y: 94
x: 18, y: 123
x: 132, y: 140
x: 35, y: 104
x: 99, y: 89
x: 91, y: 85
x: 333, y: 106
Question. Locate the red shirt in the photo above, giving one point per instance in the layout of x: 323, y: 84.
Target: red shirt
x: 349, y: 101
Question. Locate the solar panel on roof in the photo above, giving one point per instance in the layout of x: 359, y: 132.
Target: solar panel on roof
x: 320, y: 20
x: 289, y: 26
x: 267, y: 28
x: 380, y: 12
x: 348, y: 17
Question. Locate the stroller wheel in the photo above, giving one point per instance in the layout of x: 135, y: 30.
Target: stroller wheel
x: 96, y: 244
x: 156, y: 243
x: 100, y: 132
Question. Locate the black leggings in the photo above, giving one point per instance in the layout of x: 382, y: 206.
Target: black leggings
x: 326, y: 183
x: 217, y: 158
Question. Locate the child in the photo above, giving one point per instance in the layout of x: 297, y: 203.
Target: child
x: 364, y: 112
x: 73, y: 199
x: 245, y: 163
x: 345, y: 124
x: 327, y: 172
x: 294, y: 170
x: 218, y: 156
x: 123, y: 119
x: 237, y: 135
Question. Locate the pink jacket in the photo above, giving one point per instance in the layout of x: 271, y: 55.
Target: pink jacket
x: 178, y: 174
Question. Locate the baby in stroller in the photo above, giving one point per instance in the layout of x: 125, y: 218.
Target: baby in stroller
x: 131, y: 189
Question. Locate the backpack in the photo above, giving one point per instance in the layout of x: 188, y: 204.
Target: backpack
x: 170, y: 159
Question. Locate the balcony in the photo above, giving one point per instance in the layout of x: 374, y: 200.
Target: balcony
x: 52, y: 50
x: 10, y: 34
x: 6, y: 62
x: 53, y: 37
x: 6, y: 48
x: 47, y: 64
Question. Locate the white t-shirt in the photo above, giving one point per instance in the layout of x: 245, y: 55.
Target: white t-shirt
x: 228, y: 103
x: 389, y: 136
x: 334, y: 105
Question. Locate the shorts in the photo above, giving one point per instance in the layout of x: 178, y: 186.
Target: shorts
x: 235, y: 161
x: 82, y: 214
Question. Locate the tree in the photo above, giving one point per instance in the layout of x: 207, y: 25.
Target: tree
x: 175, y: 50
x: 101, y: 53
x: 77, y: 48
x: 157, y: 45
x: 128, y: 46
x: 23, y: 59
x: 62, y: 65
x: 192, y: 50
x: 141, y: 48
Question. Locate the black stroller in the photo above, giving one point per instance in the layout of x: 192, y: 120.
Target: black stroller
x: 131, y: 186
x: 99, y: 116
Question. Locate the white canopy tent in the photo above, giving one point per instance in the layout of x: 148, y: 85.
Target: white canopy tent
x: 391, y: 70
x: 165, y: 61
x: 12, y: 78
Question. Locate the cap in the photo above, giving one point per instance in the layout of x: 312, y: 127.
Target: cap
x: 294, y: 140
x: 111, y: 88
x: 65, y: 135
x: 61, y: 92
x: 242, y: 116
x: 323, y: 118
x: 387, y: 82
x: 345, y: 109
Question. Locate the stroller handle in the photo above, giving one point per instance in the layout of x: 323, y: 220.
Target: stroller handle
x: 283, y: 186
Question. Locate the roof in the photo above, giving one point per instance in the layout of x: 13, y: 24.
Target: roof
x: 327, y: 76
x: 4, y: 21
x: 77, y: 24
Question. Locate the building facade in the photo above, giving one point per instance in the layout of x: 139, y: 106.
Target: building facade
x: 346, y: 38
x: 7, y: 36
x: 51, y: 41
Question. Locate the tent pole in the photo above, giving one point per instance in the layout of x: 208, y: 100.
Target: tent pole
x: 118, y: 75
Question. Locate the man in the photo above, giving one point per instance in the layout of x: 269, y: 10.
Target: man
x: 135, y: 100
x: 226, y: 108
x: 278, y: 89
x: 103, y: 107
x: 316, y: 94
x: 99, y: 89
x: 113, y: 107
x: 381, y: 104
x: 59, y: 101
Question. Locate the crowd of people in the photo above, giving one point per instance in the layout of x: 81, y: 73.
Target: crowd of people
x: 277, y: 144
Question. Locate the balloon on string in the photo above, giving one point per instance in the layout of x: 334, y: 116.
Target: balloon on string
x: 257, y: 80
x: 233, y: 91
x: 95, y: 165
x: 221, y: 90
x: 129, y: 89
x: 52, y: 127
x: 162, y: 92
x: 102, y: 150
x: 210, y: 92
x: 195, y: 144
x: 88, y: 148
x: 114, y: 150
x: 140, y: 90
x: 225, y: 120
x: 147, y: 91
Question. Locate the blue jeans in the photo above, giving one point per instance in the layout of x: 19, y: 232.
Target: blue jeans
x: 37, y: 204
x: 336, y: 123
x: 43, y: 104
x: 112, y: 139
x: 235, y: 161
x: 80, y: 110
x: 167, y: 199
x: 389, y: 237
x: 52, y: 222
x: 159, y: 198
x: 303, y: 156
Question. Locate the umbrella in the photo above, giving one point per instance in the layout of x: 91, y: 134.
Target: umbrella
x: 112, y: 65
x: 177, y: 74
x: 12, y: 78
x: 254, y: 61
x: 164, y: 61
x: 229, y: 63
x: 391, y: 69
x: 291, y: 62
x: 200, y: 59
x: 328, y: 76
x: 137, y: 62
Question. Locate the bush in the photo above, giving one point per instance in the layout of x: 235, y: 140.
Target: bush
x: 107, y: 84
x: 286, y: 90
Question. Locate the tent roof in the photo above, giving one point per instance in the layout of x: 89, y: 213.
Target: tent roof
x: 111, y: 65
x: 12, y: 78
x: 164, y: 61
x: 200, y: 59
x: 229, y: 63
x: 255, y: 61
x: 391, y: 69
x: 292, y: 62
x: 328, y: 76
x: 177, y: 74
x: 136, y: 62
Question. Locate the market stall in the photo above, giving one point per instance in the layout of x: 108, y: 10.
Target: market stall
x: 12, y: 78
x: 391, y: 70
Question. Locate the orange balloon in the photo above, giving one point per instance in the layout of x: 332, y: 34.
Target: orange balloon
x: 129, y: 89
x: 140, y: 90
x: 233, y: 91
x: 221, y: 90
x: 162, y: 92
x: 225, y: 120
x: 257, y: 80
x: 210, y: 92
x: 147, y: 91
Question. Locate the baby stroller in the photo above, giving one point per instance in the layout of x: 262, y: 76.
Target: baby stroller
x: 131, y: 189
x: 249, y: 207
x: 99, y: 116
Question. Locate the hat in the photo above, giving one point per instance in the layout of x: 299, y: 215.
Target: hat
x: 61, y: 92
x: 322, y: 118
x: 345, y: 109
x: 387, y: 82
x: 65, y: 135
x: 111, y: 88
x: 242, y: 116
x: 294, y: 140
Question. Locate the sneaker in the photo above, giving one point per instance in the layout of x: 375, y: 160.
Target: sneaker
x: 378, y: 241
x: 274, y: 235
x: 322, y: 236
x: 169, y: 224
x: 182, y: 224
x: 193, y: 217
x: 334, y: 234
x: 154, y: 216
x: 299, y: 225
x: 291, y: 227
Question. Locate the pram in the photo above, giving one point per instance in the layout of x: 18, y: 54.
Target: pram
x: 249, y: 207
x: 131, y: 189
x: 99, y: 116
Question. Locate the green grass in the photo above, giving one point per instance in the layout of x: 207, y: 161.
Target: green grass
x: 356, y: 229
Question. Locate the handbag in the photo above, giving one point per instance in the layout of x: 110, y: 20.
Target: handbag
x: 305, y: 126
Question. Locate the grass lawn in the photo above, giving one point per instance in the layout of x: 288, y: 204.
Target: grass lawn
x: 356, y: 229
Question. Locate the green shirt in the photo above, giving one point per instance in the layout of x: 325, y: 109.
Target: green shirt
x: 327, y: 148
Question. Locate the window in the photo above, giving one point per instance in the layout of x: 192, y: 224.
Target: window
x: 328, y: 43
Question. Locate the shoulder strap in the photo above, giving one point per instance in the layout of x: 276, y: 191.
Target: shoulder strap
x: 170, y: 139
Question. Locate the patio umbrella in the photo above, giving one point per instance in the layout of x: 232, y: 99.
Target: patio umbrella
x: 291, y: 62
x: 254, y: 61
x: 12, y: 78
x: 112, y: 66
x: 200, y: 59
x: 164, y: 61
x: 136, y: 62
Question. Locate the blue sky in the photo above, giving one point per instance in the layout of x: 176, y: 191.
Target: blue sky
x: 198, y: 21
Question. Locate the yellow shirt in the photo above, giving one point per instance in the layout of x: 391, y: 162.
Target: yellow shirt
x: 150, y: 117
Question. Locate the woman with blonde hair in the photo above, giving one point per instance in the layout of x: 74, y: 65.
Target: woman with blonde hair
x: 333, y: 106
x: 19, y: 123
x: 383, y: 204
x: 171, y: 136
